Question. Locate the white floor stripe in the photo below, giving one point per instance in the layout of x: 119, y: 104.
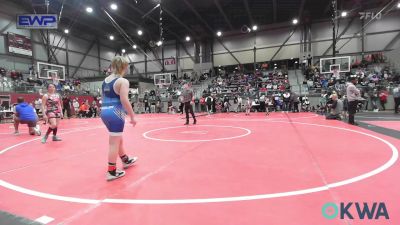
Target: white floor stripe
x: 44, y: 219
x: 247, y: 132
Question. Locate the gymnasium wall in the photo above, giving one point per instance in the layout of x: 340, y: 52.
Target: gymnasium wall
x: 97, y: 59
x: 379, y: 35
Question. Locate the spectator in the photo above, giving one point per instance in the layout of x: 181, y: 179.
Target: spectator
x: 383, y: 95
x: 94, y: 109
x: 209, y: 101
x: 226, y: 106
x: 181, y: 104
x: 158, y: 106
x: 66, y: 106
x: 197, y: 105
x: 146, y: 104
x: 38, y: 105
x: 239, y: 106
x: 262, y: 103
x: 84, y: 110
x: 335, y: 107
x: 294, y: 98
x: 202, y: 104
x: 286, y: 102
x: 374, y: 99
x: 75, y: 104
x: 248, y: 106
x: 396, y: 96
x: 309, y: 60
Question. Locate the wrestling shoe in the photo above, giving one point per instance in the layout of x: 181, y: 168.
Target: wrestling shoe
x: 195, y: 121
x: 37, y: 130
x: 129, y: 162
x: 16, y: 133
x: 55, y: 138
x: 112, y: 175
x: 44, y: 139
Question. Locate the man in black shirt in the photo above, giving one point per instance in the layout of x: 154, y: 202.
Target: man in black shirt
x: 146, y: 104
x: 187, y: 97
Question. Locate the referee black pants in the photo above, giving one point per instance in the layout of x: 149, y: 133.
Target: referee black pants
x: 189, y: 109
x: 352, y: 111
x: 396, y: 104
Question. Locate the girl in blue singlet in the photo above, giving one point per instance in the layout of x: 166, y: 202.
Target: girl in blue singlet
x: 115, y: 106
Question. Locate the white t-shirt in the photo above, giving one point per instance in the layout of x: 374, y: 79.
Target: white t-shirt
x: 76, y: 104
x: 38, y: 103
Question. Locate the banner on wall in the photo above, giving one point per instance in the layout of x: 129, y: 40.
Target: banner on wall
x: 169, y: 61
x: 19, y: 44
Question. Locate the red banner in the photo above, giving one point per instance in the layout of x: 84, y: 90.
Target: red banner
x: 170, y: 61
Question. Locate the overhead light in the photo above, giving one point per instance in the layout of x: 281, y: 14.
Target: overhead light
x: 159, y: 43
x: 219, y: 33
x: 111, y: 37
x: 123, y: 50
x: 89, y: 9
x: 275, y: 67
x: 275, y: 64
x: 187, y: 38
x: 295, y: 21
x: 291, y: 58
x: 255, y: 27
x: 66, y: 31
x: 113, y: 6
x: 398, y: 5
x: 134, y: 46
x: 344, y: 14
x: 139, y: 32
x: 296, y: 62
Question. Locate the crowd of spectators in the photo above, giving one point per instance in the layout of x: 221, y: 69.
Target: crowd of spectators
x: 376, y: 80
x: 17, y: 81
x: 265, y: 90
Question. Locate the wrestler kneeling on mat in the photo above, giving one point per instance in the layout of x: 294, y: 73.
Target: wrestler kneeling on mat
x: 115, y: 105
x: 25, y: 114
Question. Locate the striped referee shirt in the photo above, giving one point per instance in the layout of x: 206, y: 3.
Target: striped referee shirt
x: 187, y: 95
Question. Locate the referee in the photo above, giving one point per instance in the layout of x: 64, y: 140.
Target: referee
x: 187, y: 96
x: 353, y: 96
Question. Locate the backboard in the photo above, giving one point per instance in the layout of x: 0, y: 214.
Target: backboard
x: 163, y: 79
x: 334, y: 64
x: 50, y: 71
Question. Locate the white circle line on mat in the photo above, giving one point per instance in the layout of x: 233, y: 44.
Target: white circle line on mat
x: 380, y: 169
x: 145, y: 135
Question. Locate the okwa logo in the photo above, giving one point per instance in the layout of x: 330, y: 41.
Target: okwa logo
x: 351, y: 210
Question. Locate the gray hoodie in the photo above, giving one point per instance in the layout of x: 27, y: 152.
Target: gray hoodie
x: 353, y: 93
